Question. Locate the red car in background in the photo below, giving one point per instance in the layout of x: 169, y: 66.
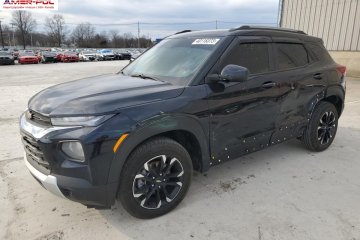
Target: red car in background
x: 27, y: 57
x: 59, y: 56
x: 69, y: 57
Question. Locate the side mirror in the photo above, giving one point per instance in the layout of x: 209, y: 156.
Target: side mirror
x: 234, y: 73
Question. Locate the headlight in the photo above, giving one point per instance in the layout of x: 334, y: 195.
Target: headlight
x: 80, y: 121
x: 74, y: 150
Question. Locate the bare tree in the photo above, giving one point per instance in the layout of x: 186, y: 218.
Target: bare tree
x: 114, y: 37
x: 25, y: 23
x: 56, y: 28
x: 83, y: 34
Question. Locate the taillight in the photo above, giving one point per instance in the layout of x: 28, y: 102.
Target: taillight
x: 341, y: 69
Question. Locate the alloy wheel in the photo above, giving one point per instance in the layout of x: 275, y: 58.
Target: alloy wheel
x: 158, y: 182
x: 326, y: 128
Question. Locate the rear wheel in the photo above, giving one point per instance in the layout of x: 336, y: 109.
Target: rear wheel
x: 321, y: 131
x: 155, y: 178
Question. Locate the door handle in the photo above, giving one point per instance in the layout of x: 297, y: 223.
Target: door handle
x: 318, y: 76
x: 268, y: 84
x: 232, y: 109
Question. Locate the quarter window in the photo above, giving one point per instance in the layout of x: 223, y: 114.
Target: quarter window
x: 253, y: 56
x: 291, y: 55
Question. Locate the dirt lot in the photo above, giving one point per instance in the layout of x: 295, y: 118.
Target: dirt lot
x: 284, y: 192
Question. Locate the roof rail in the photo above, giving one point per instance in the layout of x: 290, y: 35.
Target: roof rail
x: 183, y: 31
x: 250, y: 27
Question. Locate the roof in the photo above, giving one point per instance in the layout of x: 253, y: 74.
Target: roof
x: 249, y: 31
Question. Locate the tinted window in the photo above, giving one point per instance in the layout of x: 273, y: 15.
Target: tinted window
x: 319, y: 52
x: 253, y: 56
x: 291, y: 55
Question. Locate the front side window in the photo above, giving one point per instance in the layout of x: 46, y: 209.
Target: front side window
x: 253, y: 56
x: 291, y: 55
x: 174, y: 60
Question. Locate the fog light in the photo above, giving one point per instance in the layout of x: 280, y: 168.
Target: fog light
x: 74, y: 150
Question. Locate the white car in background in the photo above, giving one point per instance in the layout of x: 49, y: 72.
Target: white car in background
x: 87, y: 56
x: 105, y: 54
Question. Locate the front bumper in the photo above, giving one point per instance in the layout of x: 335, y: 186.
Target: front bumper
x: 86, y: 183
x: 49, y: 182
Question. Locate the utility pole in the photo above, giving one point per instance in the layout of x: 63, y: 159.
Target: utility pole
x: 1, y: 33
x: 13, y: 37
x: 138, y: 34
x: 216, y: 24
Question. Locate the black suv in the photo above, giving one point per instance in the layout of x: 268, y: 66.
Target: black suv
x: 192, y: 101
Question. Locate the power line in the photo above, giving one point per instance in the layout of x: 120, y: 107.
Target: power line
x: 174, y: 23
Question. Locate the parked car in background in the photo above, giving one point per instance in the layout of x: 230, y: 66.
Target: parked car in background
x: 28, y: 51
x: 135, y: 54
x: 16, y: 53
x: 87, y: 55
x: 6, y: 58
x: 27, y: 57
x: 122, y: 55
x: 38, y: 55
x: 58, y: 56
x: 69, y: 57
x: 48, y: 57
x: 105, y: 54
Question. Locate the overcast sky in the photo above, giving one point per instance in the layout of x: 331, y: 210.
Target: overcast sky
x: 159, y: 18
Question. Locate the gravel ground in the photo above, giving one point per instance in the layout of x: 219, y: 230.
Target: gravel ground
x: 283, y: 192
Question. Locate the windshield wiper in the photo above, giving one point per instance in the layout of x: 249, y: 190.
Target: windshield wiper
x: 143, y: 76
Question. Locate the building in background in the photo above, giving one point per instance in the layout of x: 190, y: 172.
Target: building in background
x: 337, y: 22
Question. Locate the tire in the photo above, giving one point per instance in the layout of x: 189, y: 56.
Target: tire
x: 321, y: 131
x: 136, y: 179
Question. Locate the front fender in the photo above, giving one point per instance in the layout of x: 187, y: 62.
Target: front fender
x: 155, y: 126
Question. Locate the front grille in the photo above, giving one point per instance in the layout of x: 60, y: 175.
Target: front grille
x: 38, y: 118
x: 33, y: 151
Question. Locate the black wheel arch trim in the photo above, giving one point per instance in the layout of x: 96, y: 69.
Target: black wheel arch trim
x: 338, y: 92
x: 332, y: 91
x: 157, y: 126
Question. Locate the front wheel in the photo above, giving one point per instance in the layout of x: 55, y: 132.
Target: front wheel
x: 155, y: 178
x: 321, y: 131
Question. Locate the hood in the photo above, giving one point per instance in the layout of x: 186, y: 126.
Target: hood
x: 101, y: 94
x: 25, y: 56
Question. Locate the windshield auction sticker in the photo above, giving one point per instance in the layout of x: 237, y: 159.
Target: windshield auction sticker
x: 29, y: 5
x: 206, y: 41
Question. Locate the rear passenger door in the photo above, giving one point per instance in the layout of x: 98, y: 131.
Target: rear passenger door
x: 302, y: 82
x: 243, y: 114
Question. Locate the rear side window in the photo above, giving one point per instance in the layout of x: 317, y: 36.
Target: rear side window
x: 291, y: 55
x: 253, y: 56
x: 319, y: 52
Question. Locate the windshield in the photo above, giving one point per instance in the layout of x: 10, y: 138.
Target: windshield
x: 105, y: 51
x: 4, y: 53
x: 49, y: 53
x: 173, y: 60
x: 27, y: 54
